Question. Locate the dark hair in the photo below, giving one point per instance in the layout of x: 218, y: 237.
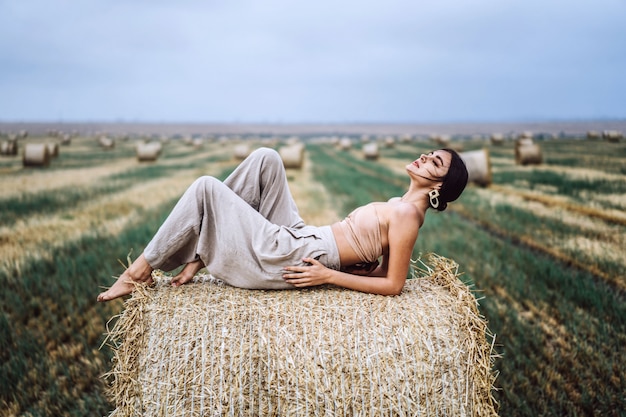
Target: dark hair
x: 454, y: 181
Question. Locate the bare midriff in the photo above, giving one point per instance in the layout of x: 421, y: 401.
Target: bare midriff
x: 347, y: 255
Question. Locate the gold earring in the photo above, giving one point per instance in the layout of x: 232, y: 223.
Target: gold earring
x: 433, y: 197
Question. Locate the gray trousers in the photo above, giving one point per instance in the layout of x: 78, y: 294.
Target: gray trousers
x: 245, y: 229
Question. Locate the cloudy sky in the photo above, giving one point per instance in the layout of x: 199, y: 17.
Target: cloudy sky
x: 279, y: 61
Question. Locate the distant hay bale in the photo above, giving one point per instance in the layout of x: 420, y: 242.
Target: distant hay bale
x: 8, y: 147
x: 441, y: 140
x: 370, y: 151
x: 53, y: 149
x: 36, y: 155
x: 612, y: 135
x: 406, y: 138
x: 106, y: 142
x: 497, y: 139
x: 478, y: 166
x: 150, y: 151
x: 526, y: 135
x: 456, y: 146
x: 66, y: 139
x: 389, y: 141
x: 197, y: 143
x: 345, y: 144
x: 524, y: 141
x: 528, y: 154
x: 241, y: 151
x: 593, y: 135
x: 210, y: 349
x: 292, y: 155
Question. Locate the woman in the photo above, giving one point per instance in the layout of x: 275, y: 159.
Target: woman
x: 248, y: 233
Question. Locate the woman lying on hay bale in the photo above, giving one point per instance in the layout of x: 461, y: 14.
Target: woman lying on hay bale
x: 247, y: 231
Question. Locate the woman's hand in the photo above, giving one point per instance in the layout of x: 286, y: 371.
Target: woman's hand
x: 309, y: 275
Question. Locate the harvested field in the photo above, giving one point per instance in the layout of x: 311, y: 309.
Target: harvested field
x: 542, y: 248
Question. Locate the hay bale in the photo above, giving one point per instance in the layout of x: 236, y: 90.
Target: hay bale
x: 370, y: 151
x: 241, y: 151
x: 53, y: 149
x: 292, y: 155
x: 106, y: 142
x: 36, y: 155
x: 478, y: 166
x: 149, y: 151
x: 612, y: 135
x: 441, y: 140
x: 210, y: 349
x: 345, y: 144
x: 389, y: 141
x: 523, y: 141
x: 526, y: 135
x: 8, y: 147
x: 456, y: 146
x: 528, y: 154
x: 497, y: 139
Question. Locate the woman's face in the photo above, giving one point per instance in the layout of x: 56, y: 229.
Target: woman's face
x: 432, y: 166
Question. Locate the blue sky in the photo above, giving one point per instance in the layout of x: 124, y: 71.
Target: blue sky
x: 278, y: 61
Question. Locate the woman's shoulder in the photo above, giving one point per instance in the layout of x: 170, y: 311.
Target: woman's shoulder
x: 405, y: 213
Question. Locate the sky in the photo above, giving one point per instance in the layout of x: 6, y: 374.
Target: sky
x: 322, y: 61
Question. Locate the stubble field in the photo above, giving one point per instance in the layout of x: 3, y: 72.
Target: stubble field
x: 543, y: 248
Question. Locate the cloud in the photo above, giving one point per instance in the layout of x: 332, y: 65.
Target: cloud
x: 398, y: 60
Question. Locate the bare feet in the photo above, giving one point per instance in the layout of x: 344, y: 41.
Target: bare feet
x: 188, y: 272
x: 139, y: 271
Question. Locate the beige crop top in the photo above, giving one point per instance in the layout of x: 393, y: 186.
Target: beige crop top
x: 363, y: 234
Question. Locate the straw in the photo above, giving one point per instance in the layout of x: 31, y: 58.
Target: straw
x: 210, y: 349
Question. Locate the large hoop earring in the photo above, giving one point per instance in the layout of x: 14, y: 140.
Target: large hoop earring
x: 433, y: 197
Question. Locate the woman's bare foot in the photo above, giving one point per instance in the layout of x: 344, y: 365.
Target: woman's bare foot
x: 139, y: 271
x: 189, y: 271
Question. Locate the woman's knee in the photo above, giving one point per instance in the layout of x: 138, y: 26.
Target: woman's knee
x: 205, y: 183
x: 267, y: 154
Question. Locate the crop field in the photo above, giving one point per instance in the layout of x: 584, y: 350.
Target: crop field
x: 543, y: 248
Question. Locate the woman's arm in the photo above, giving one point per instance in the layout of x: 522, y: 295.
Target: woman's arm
x: 394, y: 269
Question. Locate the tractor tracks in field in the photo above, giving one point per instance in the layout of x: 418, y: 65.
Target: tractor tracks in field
x: 529, y: 242
x: 611, y: 216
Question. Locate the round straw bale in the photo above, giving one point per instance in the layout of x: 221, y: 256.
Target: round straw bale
x: 241, y: 151
x: 66, y: 139
x: 612, y: 135
x: 441, y: 140
x: 197, y: 143
x: 209, y: 349
x: 497, y: 138
x: 370, y: 151
x: 593, y: 135
x: 456, y: 146
x: 523, y: 141
x: 8, y: 147
x: 389, y: 141
x: 345, y: 144
x: 36, y: 154
x: 478, y: 166
x: 528, y: 154
x: 526, y: 135
x: 149, y: 151
x: 106, y: 142
x: 53, y: 149
x: 292, y: 155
